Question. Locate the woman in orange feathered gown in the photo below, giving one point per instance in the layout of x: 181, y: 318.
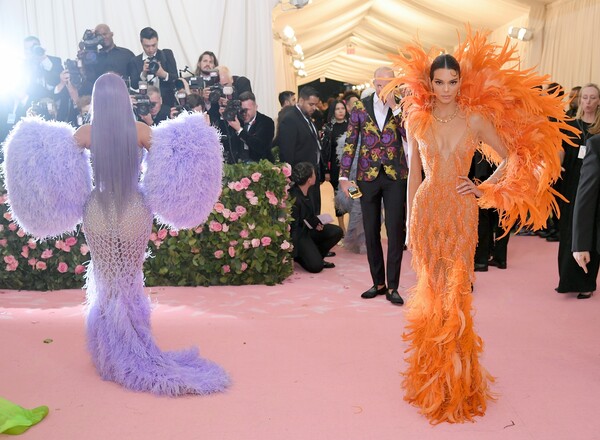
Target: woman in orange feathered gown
x: 456, y: 105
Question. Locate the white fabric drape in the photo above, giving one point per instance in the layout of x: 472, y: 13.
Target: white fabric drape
x: 571, y: 45
x: 238, y: 31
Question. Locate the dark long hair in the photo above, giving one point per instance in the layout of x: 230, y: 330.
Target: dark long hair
x: 331, y: 111
x: 444, y: 61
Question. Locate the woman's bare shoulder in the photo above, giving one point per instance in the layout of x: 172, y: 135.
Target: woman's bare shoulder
x: 83, y: 136
x: 144, y: 133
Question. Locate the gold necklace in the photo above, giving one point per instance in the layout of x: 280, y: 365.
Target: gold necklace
x: 444, y: 121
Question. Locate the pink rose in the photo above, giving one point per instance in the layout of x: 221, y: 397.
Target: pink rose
x: 215, y: 226
x: 21, y: 233
x: 230, y: 185
x: 233, y: 216
x: 231, y: 251
x: 244, y: 266
x: 265, y: 241
x: 25, y: 251
x: 40, y: 265
x: 276, y: 169
x: 244, y: 233
x: 79, y: 269
x: 245, y: 182
x: 226, y: 213
x: 31, y: 243
x: 71, y: 241
x: 66, y: 248
x: 251, y: 226
x: 286, y: 170
x: 256, y: 177
x: 255, y: 242
x: 32, y: 262
x: 62, y: 267
x: 282, y: 204
x: 173, y: 233
x: 8, y: 216
x: 11, y: 267
x: 10, y: 259
x: 219, y: 254
x: 162, y: 234
x: 84, y: 249
x: 240, y: 210
x: 225, y: 227
x: 198, y: 230
x: 238, y: 186
x: 47, y: 254
x: 226, y: 268
x: 59, y: 244
x: 3, y: 242
x: 285, y: 245
x: 246, y: 244
x: 233, y: 243
x: 249, y: 194
x: 12, y: 227
x: 219, y: 207
x: 281, y: 219
x: 254, y: 201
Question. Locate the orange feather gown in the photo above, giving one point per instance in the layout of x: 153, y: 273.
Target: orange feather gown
x: 444, y: 378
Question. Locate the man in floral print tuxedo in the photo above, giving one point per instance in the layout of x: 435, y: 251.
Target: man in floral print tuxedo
x: 374, y: 134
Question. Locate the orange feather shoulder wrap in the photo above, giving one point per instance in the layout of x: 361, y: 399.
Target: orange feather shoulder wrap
x: 530, y: 123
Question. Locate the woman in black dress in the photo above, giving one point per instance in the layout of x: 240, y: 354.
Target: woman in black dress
x: 571, y: 277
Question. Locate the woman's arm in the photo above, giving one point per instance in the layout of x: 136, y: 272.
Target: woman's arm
x: 83, y: 136
x: 144, y: 134
x: 415, y: 177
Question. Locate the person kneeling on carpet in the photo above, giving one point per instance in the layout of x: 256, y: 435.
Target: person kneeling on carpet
x: 313, y: 236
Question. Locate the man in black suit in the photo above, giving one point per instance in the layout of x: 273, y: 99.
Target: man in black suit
x: 298, y: 140
x: 42, y: 71
x: 257, y: 130
x: 154, y: 65
x: 158, y: 110
x: 586, y: 212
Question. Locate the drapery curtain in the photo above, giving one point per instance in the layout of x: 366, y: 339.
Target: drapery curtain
x: 238, y: 31
x: 571, y: 47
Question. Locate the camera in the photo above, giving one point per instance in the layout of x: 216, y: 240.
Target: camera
x: 233, y: 110
x: 74, y: 73
x: 88, y: 47
x: 142, y: 104
x: 153, y: 65
x: 44, y: 108
x: 182, y: 104
x: 218, y: 91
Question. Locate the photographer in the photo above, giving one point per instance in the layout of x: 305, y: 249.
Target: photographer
x: 205, y: 71
x: 257, y: 130
x: 156, y: 66
x: 42, y: 71
x: 228, y: 86
x: 66, y: 97
x: 154, y: 111
x: 111, y: 58
x: 187, y: 103
x: 229, y: 109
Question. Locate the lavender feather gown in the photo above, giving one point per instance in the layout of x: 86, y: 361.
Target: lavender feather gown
x: 181, y: 186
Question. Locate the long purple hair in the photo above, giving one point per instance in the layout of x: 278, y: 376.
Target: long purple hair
x: 115, y: 150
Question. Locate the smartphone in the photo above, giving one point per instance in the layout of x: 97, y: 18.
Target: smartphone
x: 354, y: 191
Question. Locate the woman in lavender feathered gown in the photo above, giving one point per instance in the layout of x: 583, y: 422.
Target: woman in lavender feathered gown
x: 181, y: 185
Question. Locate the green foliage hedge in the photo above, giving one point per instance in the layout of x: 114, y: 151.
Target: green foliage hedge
x: 245, y: 240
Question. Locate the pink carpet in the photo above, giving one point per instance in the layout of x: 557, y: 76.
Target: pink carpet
x: 310, y: 359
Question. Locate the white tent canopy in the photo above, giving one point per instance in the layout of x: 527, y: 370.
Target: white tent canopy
x: 246, y: 35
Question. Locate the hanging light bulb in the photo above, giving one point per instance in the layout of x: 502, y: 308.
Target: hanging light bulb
x: 288, y: 32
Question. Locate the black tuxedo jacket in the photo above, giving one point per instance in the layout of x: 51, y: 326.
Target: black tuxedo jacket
x: 297, y: 142
x: 586, y: 213
x: 167, y: 60
x: 259, y: 137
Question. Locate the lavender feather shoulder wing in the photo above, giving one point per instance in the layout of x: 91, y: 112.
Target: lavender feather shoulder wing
x: 184, y: 173
x: 47, y: 177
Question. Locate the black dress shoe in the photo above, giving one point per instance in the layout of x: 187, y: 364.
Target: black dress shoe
x: 330, y: 254
x: 584, y: 295
x: 480, y: 267
x: 552, y: 238
x: 497, y: 263
x: 373, y: 292
x: 394, y: 297
x: 328, y: 265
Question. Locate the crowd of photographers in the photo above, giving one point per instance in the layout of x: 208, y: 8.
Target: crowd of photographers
x: 159, y: 90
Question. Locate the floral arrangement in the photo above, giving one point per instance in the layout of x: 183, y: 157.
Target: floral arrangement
x: 246, y: 240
